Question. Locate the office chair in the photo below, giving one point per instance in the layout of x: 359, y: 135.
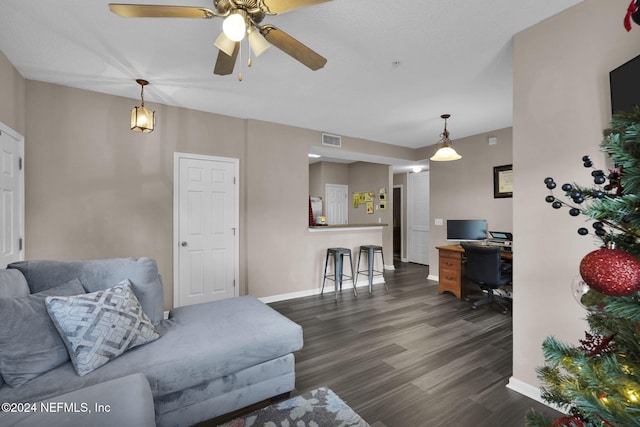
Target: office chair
x: 484, y: 268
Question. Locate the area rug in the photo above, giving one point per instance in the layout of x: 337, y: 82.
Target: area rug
x: 317, y: 408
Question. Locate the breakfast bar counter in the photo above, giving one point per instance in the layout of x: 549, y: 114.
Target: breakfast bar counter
x: 350, y: 236
x: 346, y: 227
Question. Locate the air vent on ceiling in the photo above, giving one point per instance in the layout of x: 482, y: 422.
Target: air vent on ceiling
x: 332, y: 140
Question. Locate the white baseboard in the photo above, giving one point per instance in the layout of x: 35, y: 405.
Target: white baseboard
x: 389, y: 267
x: 432, y: 277
x: 531, y: 392
x: 328, y: 289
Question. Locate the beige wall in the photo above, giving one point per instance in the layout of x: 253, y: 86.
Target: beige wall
x: 360, y: 177
x: 95, y: 189
x: 561, y: 105
x: 323, y: 173
x: 315, y: 181
x: 364, y: 177
x: 13, y: 99
x: 463, y: 189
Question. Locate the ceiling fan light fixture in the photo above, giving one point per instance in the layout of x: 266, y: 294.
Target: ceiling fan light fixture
x: 259, y: 44
x: 234, y: 26
x: 445, y: 152
x: 142, y: 119
x: 225, y: 44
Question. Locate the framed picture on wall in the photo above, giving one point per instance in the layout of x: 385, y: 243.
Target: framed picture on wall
x: 502, y: 181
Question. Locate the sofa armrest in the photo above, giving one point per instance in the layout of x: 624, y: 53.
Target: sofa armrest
x: 125, y: 401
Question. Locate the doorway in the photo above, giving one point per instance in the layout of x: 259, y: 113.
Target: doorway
x: 11, y: 196
x: 206, y: 235
x: 337, y: 208
x: 397, y: 222
x: 418, y: 217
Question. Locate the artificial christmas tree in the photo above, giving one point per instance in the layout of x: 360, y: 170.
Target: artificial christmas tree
x: 598, y: 382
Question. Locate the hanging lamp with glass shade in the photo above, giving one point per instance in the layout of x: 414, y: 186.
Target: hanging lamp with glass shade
x: 445, y: 152
x: 142, y: 119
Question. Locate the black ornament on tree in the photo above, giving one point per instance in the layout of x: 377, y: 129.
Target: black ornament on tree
x: 579, y: 196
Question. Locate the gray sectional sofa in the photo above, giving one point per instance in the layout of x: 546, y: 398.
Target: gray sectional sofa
x: 207, y: 360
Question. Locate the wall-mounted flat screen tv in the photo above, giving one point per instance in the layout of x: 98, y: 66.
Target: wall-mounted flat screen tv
x: 625, y: 92
x: 466, y: 229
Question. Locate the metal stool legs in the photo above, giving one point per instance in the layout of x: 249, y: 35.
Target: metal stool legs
x: 370, y: 271
x: 338, y: 269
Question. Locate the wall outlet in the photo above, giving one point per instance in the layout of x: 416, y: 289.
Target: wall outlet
x: 438, y: 221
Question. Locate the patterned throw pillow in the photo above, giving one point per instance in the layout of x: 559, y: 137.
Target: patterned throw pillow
x: 100, y: 326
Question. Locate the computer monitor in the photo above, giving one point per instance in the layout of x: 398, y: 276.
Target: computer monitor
x: 465, y: 230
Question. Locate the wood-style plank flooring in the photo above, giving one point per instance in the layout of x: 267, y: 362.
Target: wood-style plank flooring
x: 408, y: 356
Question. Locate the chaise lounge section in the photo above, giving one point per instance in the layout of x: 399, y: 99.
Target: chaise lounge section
x: 209, y: 359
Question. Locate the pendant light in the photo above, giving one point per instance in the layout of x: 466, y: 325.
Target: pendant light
x: 142, y: 120
x: 445, y: 151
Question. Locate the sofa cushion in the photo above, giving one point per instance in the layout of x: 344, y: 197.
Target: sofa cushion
x: 100, y: 326
x: 29, y: 342
x: 13, y: 284
x: 125, y: 401
x: 98, y: 275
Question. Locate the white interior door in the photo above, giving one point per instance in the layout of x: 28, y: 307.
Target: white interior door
x: 418, y: 217
x: 337, y: 206
x: 11, y: 196
x: 206, y: 229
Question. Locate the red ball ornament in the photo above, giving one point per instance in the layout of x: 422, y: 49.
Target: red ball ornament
x: 567, y: 421
x: 611, y: 272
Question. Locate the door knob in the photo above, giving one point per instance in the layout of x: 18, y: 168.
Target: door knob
x: 183, y: 244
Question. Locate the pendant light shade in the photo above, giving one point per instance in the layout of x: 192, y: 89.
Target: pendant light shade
x: 142, y: 119
x: 445, y: 150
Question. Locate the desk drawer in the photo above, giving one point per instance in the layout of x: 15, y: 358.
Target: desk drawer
x: 449, y: 278
x: 450, y: 254
x: 450, y: 264
x: 450, y: 282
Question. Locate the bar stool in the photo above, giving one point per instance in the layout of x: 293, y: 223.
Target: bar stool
x: 338, y: 272
x: 371, y: 250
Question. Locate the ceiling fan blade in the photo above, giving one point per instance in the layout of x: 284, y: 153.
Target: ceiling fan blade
x: 225, y: 63
x: 157, y: 11
x: 282, y: 6
x: 293, y: 47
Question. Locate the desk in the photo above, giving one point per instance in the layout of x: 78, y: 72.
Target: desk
x: 451, y: 269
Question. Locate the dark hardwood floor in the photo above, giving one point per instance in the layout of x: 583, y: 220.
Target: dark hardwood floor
x: 407, y: 356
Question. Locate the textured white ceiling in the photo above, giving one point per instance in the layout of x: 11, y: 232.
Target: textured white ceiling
x: 393, y: 67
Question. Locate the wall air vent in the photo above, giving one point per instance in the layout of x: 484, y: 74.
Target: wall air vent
x: 332, y: 140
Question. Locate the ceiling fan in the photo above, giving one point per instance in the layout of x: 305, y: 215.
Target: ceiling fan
x: 241, y: 17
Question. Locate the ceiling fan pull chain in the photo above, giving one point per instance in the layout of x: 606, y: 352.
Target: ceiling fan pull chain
x: 240, y: 53
x: 250, y: 61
